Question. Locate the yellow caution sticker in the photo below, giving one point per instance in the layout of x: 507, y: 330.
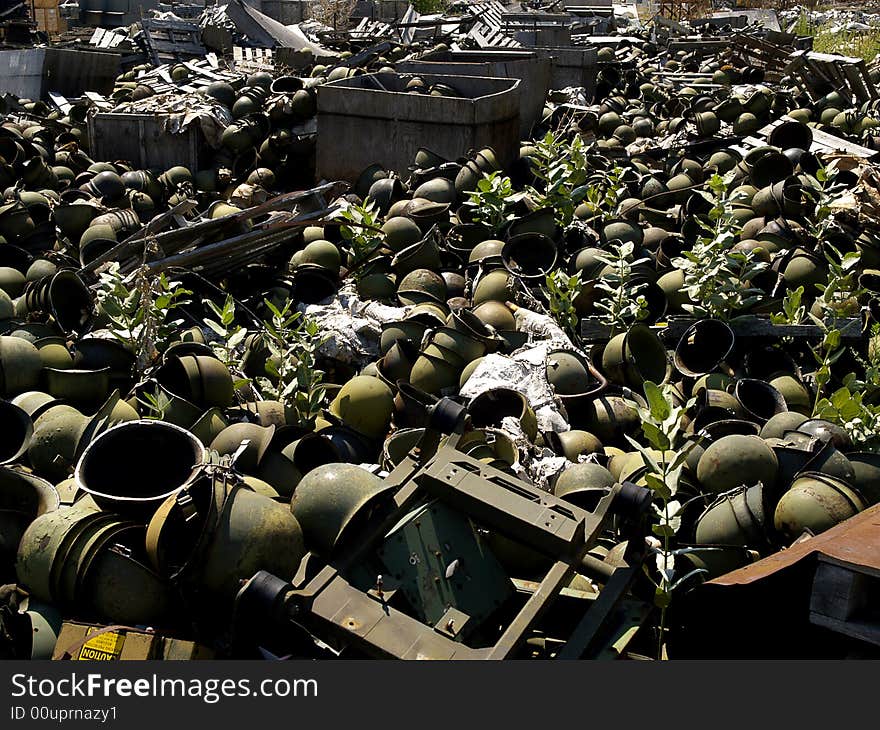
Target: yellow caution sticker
x: 103, y: 648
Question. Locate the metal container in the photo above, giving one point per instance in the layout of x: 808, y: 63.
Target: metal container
x: 572, y: 66
x: 528, y: 67
x: 367, y: 119
x: 286, y: 12
x: 143, y: 140
x: 31, y: 73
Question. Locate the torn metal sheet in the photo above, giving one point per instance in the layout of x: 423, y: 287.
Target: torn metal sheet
x: 352, y: 326
x: 266, y: 32
x: 524, y: 371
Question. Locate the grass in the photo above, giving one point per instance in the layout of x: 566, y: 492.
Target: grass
x: 864, y: 44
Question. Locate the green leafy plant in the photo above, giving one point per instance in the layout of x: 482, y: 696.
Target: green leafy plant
x: 603, y: 194
x: 839, y: 296
x: 852, y: 406
x: 292, y: 374
x: 562, y: 290
x: 793, y: 312
x: 562, y: 169
x: 156, y: 404
x: 717, y: 279
x: 623, y: 304
x: 230, y: 334
x: 140, y: 308
x: 362, y: 231
x: 489, y: 202
x: 662, y: 428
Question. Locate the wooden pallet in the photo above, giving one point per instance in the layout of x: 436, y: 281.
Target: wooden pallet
x: 813, y: 71
x: 171, y: 40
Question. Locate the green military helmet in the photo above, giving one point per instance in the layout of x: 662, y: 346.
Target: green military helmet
x: 179, y: 72
x: 605, y: 54
x: 486, y: 252
x: 376, y: 286
x: 795, y: 393
x: 434, y: 374
x: 102, y: 232
x: 497, y: 315
x: 738, y: 517
x: 109, y: 185
x: 177, y: 175
x: 20, y: 366
x: 222, y: 92
x: 829, y: 114
x: 778, y: 424
x: 262, y: 79
x: 496, y: 286
x: 745, y: 124
x: 332, y: 500
x: 625, y: 134
x: 304, y: 104
x: 574, y: 443
x: 421, y: 285
x: 322, y: 253
x: 815, y: 502
x: 401, y: 232
x: 866, y: 475
x: 468, y: 371
x: 568, y: 372
x: 625, y: 231
x: 7, y: 306
x: 12, y: 281
x: 313, y: 233
x: 262, y: 176
x: 608, y: 122
x: 737, y: 460
x: 244, y: 106
x: 438, y: 189
x: 228, y: 441
x: 584, y: 484
x: 364, y: 404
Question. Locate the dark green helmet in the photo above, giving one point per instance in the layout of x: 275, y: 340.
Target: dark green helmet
x: 330, y: 498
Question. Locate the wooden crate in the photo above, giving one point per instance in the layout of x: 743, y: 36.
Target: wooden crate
x: 49, y: 21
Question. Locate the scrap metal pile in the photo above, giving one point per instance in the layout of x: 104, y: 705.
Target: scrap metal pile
x: 584, y: 364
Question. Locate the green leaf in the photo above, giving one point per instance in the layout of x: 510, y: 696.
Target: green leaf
x: 660, y: 408
x: 655, y: 436
x: 656, y: 484
x: 662, y: 598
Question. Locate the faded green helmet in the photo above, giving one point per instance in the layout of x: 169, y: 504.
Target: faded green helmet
x: 401, y: 232
x: 735, y: 518
x: 778, y: 424
x: 584, y: 484
x: 568, y: 372
x: 421, y: 285
x: 795, y: 393
x: 574, y: 443
x: 222, y: 92
x: 494, y: 286
x: 364, y: 404
x: 737, y: 460
x: 815, y: 502
x: 438, y: 189
x: 331, y: 499
x: 322, y: 253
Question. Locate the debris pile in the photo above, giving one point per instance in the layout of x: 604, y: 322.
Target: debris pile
x: 510, y: 339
